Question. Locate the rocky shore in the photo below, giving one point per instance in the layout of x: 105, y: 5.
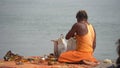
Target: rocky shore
x: 12, y: 64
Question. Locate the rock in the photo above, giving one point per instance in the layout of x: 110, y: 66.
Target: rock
x: 107, y: 61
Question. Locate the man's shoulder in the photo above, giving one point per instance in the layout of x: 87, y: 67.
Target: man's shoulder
x: 78, y: 24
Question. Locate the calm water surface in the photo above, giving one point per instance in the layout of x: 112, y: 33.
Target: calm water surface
x: 27, y: 26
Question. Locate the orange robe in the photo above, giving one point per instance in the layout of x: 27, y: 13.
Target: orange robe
x: 84, y: 48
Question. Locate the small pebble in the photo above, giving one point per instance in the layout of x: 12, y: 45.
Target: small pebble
x: 107, y: 61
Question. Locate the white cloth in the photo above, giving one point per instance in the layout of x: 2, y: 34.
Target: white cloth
x: 71, y: 44
x: 60, y: 45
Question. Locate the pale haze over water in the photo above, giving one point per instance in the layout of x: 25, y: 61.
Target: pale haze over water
x: 27, y: 26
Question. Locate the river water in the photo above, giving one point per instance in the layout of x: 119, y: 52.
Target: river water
x: 27, y: 26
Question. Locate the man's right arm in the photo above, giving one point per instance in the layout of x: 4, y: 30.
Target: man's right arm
x: 72, y: 31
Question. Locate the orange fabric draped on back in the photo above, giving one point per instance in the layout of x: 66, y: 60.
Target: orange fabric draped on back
x: 84, y: 43
x: 84, y: 50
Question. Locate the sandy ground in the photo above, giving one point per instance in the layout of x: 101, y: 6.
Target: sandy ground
x: 12, y: 64
x: 108, y: 64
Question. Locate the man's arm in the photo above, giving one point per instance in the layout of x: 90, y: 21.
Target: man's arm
x: 94, y: 41
x: 72, y: 31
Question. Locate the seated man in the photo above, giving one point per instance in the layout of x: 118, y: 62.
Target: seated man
x: 85, y: 42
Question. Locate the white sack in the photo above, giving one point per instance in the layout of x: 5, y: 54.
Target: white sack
x: 60, y: 45
x: 71, y: 44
